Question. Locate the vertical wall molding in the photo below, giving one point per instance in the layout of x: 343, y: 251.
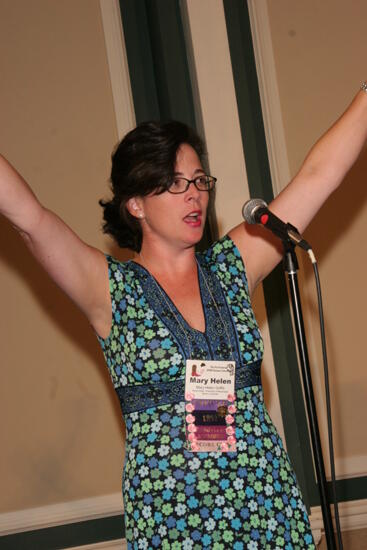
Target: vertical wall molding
x: 118, y: 67
x: 269, y: 94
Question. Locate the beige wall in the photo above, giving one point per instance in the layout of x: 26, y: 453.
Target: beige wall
x: 320, y: 56
x: 60, y: 421
x: 63, y: 434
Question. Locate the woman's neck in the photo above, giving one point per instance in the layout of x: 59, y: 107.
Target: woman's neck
x: 171, y: 262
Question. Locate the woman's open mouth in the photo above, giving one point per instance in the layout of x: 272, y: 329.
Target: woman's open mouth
x: 194, y: 218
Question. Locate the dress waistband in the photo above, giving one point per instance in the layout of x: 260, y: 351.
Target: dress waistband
x: 143, y: 396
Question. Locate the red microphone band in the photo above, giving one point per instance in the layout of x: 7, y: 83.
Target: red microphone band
x: 264, y: 219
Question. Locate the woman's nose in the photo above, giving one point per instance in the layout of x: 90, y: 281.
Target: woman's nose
x: 192, y: 192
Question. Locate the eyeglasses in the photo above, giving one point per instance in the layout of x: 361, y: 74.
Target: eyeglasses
x: 202, y: 183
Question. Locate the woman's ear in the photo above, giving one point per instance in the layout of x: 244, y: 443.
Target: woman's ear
x: 135, y: 208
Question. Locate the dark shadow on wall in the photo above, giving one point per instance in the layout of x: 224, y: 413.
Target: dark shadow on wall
x: 61, y: 311
x: 338, y: 214
x: 334, y: 220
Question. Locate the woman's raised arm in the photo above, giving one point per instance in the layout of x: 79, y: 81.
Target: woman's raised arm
x: 321, y: 173
x: 79, y: 269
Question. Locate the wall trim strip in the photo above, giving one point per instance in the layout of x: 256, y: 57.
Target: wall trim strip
x: 353, y: 515
x: 349, y: 467
x: 119, y: 544
x: 62, y: 513
x: 118, y: 67
x: 269, y: 94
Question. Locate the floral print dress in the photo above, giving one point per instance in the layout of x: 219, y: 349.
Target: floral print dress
x: 174, y: 498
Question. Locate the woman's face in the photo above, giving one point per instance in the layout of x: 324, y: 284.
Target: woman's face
x: 176, y: 220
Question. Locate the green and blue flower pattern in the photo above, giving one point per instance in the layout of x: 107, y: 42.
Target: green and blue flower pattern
x: 173, y: 498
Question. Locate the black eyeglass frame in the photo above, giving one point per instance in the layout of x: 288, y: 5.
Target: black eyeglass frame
x: 212, y: 182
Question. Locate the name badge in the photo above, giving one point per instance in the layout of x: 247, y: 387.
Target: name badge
x: 210, y: 405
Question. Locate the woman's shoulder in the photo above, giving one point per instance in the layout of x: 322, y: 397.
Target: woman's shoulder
x: 224, y: 260
x: 222, y: 251
x: 120, y: 271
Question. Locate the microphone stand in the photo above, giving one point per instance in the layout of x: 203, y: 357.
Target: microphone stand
x: 291, y: 266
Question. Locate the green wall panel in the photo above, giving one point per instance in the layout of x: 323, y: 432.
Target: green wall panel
x: 157, y: 59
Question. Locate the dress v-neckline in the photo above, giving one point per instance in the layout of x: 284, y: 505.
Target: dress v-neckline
x: 171, y: 304
x: 220, y: 339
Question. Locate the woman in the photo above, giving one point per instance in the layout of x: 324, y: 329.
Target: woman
x: 169, y: 306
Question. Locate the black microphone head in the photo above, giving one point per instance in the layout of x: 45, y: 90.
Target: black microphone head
x: 250, y: 207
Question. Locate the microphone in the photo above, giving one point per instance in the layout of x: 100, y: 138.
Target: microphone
x: 256, y: 211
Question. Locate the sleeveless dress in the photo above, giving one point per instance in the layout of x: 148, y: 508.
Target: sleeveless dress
x: 174, y: 498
